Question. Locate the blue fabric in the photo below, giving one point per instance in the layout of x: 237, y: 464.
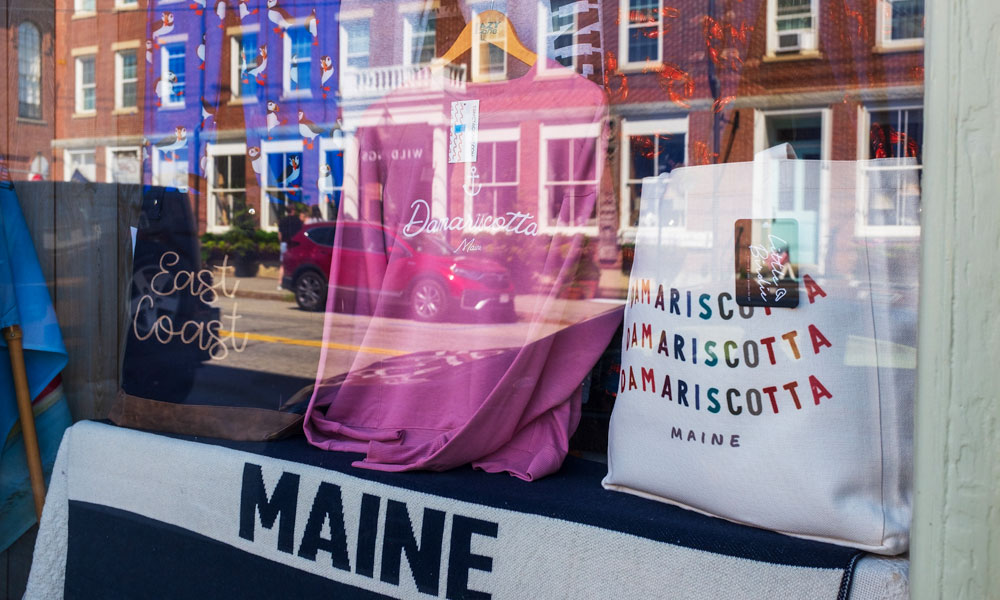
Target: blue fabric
x: 17, y: 505
x: 24, y: 299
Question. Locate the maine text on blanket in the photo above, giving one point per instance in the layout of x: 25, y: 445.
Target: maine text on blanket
x: 398, y: 539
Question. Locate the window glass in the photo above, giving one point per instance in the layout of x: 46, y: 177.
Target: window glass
x: 29, y: 72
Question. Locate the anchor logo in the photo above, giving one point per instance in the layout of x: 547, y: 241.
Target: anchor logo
x: 472, y: 187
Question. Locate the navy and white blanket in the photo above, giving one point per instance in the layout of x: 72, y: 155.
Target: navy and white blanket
x: 132, y: 514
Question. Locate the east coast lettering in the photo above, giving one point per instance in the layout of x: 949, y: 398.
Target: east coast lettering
x: 381, y: 527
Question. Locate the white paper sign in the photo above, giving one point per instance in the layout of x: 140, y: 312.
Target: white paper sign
x: 463, y: 136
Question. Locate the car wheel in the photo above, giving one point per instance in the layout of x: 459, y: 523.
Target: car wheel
x: 428, y: 300
x: 310, y: 291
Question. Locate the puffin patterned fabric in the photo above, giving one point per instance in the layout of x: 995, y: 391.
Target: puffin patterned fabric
x: 802, y: 413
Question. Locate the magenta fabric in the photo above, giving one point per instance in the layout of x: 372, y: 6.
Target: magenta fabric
x: 503, y: 396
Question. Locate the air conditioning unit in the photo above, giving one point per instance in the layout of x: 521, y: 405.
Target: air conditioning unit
x: 795, y: 41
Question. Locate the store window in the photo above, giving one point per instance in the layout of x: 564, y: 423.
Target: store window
x: 792, y: 26
x: 641, y: 31
x: 124, y: 165
x: 80, y: 165
x: 283, y: 180
x: 650, y: 149
x: 889, y: 198
x: 226, y: 184
x: 420, y: 38
x: 244, y: 66
x: 297, y: 61
x: 170, y: 160
x: 86, y: 84
x: 569, y: 177
x: 557, y: 31
x: 126, y: 79
x: 901, y: 23
x: 356, y: 42
x: 29, y: 72
x: 173, y: 75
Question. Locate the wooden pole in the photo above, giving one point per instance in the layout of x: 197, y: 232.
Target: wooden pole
x: 15, y: 345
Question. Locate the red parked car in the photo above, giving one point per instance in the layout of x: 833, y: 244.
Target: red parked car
x: 379, y: 269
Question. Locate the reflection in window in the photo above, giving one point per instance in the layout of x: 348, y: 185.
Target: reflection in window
x: 792, y: 25
x: 170, y: 166
x: 894, y: 187
x: 331, y: 183
x: 81, y: 165
x: 86, y: 84
x: 492, y: 182
x: 357, y: 47
x: 170, y: 88
x: 423, y: 36
x: 29, y: 72
x: 298, y: 58
x: 644, y: 26
x: 560, y: 30
x: 84, y: 6
x: 902, y: 20
x: 283, y: 184
x: 649, y: 156
x: 245, y: 61
x: 127, y: 79
x: 803, y: 131
x: 570, y: 182
x: 227, y: 188
x: 124, y: 165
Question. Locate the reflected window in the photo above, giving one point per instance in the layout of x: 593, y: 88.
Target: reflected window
x: 804, y: 131
x: 84, y: 6
x: 170, y: 164
x: 570, y: 178
x: 86, y: 84
x: 170, y: 87
x: 124, y: 165
x: 244, y: 61
x: 80, y: 166
x: 420, y: 34
x: 901, y: 22
x: 298, y: 60
x: 126, y: 79
x: 792, y: 26
x: 357, y: 43
x: 282, y: 181
x: 651, y: 149
x: 641, y: 30
x: 227, y: 194
x: 491, y: 183
x: 331, y: 182
x: 29, y: 72
x: 892, y: 187
x: 560, y: 27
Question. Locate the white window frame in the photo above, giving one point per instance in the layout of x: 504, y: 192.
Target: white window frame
x: 883, y: 27
x: 341, y: 143
x: 79, y: 108
x: 624, y: 61
x: 543, y: 34
x: 127, y: 4
x: 109, y: 155
x: 810, y: 48
x: 490, y: 136
x: 120, y: 78
x: 562, y: 132
x: 286, y: 63
x: 408, y: 33
x: 276, y: 147
x: 165, y: 67
x: 235, y: 43
x: 68, y: 161
x: 761, y: 203
x: 155, y: 160
x: 862, y: 228
x: 34, y: 74
x: 214, y: 150
x: 477, y: 50
x: 629, y: 128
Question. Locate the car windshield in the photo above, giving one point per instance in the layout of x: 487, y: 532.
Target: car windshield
x: 424, y: 243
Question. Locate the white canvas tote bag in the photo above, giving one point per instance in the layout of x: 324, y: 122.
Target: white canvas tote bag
x: 769, y: 350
